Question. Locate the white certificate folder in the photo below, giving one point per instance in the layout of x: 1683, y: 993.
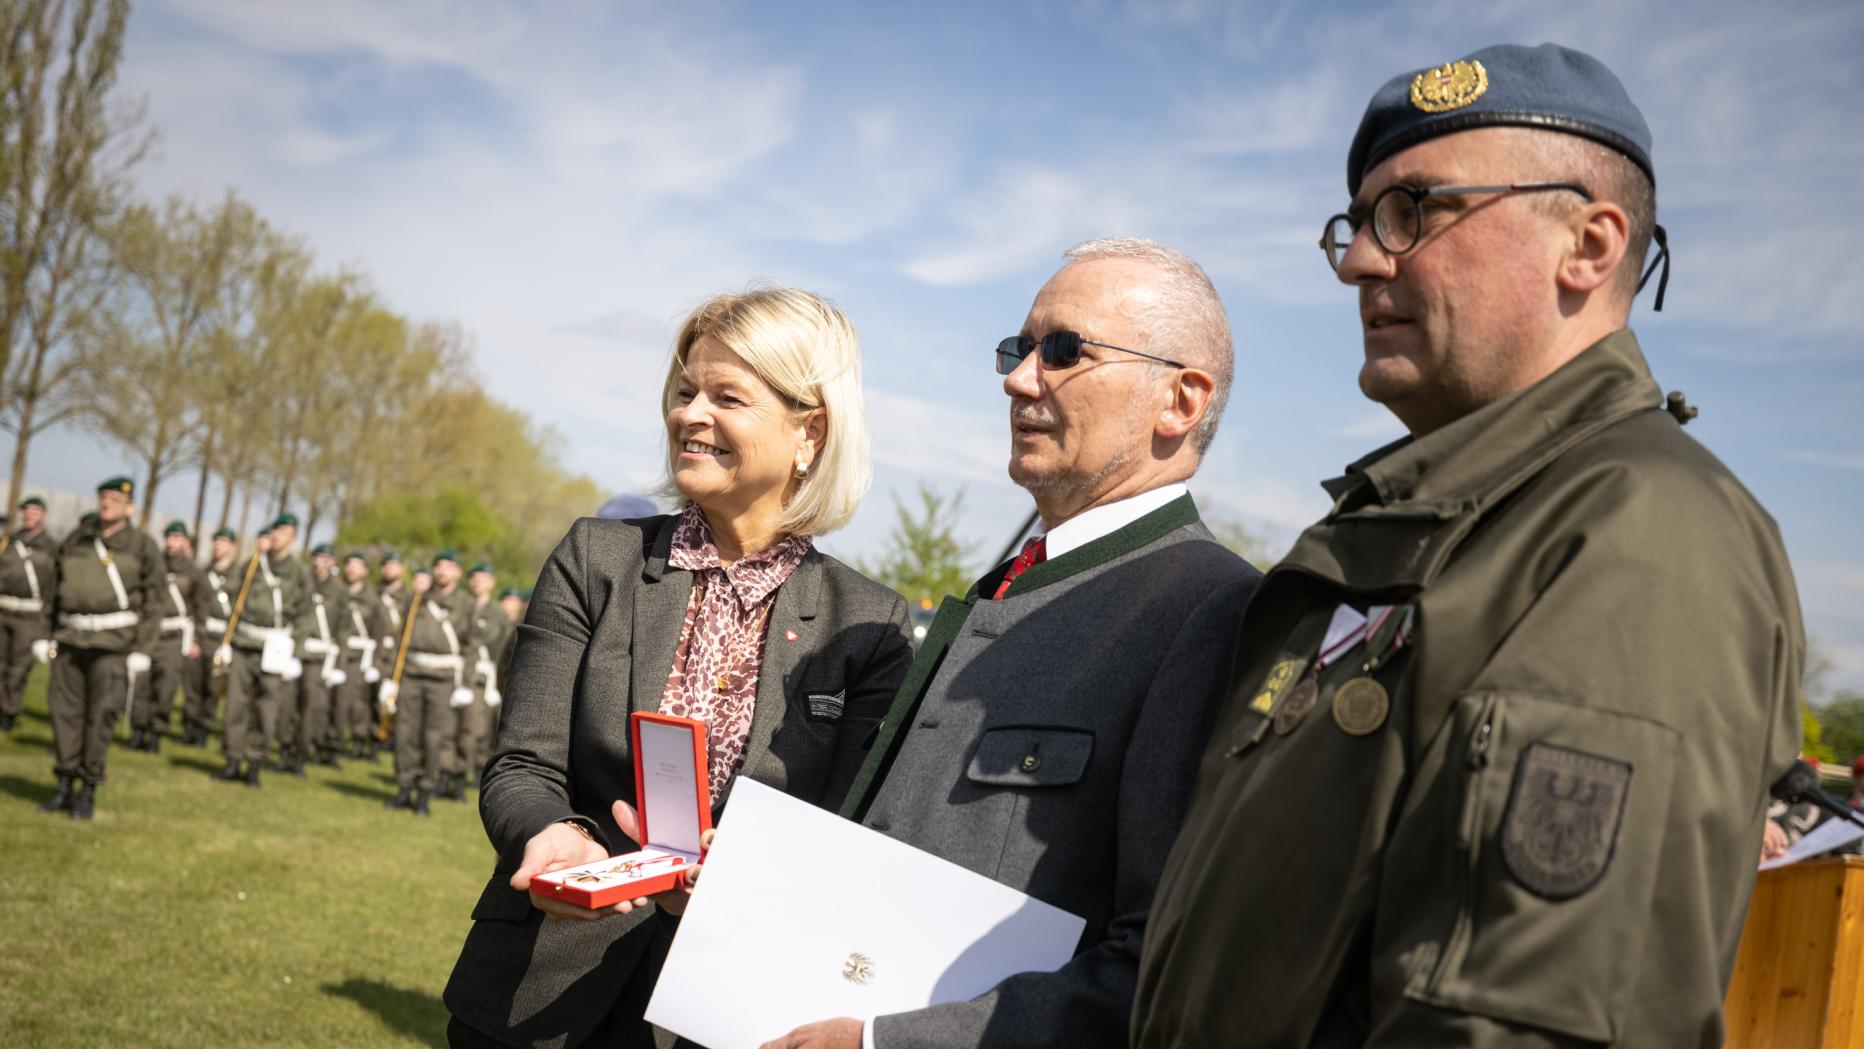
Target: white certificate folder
x: 800, y: 915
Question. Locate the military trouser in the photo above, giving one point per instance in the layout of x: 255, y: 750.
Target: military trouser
x: 253, y: 701
x: 17, y: 633
x: 197, y: 693
x: 423, y: 730
x: 313, y: 726
x: 355, y: 703
x: 155, y: 691
x: 88, y: 694
x: 472, y: 735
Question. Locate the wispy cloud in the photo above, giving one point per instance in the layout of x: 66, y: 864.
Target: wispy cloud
x: 1843, y: 462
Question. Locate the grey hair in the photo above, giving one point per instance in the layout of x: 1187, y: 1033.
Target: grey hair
x: 1610, y: 176
x: 1186, y: 323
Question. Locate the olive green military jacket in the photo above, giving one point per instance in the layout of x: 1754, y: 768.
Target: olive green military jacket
x: 83, y: 588
x: 222, y: 585
x: 428, y: 640
x: 1548, y: 835
x: 186, y: 601
x: 364, y: 615
x: 278, y: 599
x: 391, y: 600
x: 26, y: 573
x: 493, y: 635
x: 321, y: 638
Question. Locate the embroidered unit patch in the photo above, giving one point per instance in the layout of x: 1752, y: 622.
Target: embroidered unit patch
x: 1564, y: 811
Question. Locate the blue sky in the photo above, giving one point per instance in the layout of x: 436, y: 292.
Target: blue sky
x: 564, y: 179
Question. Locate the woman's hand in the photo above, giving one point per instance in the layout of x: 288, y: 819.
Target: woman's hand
x: 555, y: 847
x: 673, y: 901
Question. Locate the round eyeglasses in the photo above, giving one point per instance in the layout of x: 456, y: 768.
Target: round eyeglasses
x: 1398, y: 215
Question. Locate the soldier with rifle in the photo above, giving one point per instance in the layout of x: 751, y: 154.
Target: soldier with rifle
x: 430, y: 685
x: 178, y: 647
x: 25, y: 572
x: 355, y: 714
x: 258, y: 651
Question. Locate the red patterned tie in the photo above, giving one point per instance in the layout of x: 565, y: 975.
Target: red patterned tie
x: 1033, y: 554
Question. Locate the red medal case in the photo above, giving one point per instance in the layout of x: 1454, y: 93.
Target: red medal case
x: 674, y: 808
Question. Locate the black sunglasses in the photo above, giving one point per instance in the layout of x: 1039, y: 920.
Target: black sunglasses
x: 1060, y: 349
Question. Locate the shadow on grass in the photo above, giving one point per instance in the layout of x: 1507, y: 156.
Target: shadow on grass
x: 413, y: 1013
x: 356, y: 790
x: 197, y: 763
x: 35, y: 791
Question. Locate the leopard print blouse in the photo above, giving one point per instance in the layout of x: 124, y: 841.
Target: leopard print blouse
x: 726, y: 621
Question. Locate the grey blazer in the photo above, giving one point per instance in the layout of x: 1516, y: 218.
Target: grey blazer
x: 596, y: 644
x: 1052, y: 746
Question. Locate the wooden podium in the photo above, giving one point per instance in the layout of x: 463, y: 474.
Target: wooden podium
x: 1799, y: 975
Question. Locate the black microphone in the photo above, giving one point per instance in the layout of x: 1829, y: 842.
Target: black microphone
x: 1801, y: 783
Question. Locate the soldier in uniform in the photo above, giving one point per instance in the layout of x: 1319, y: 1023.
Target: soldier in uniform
x: 389, y: 596
x: 178, y: 647
x: 106, y: 609
x: 223, y: 585
x: 355, y: 708
x: 1496, y: 755
x: 477, y: 721
x: 322, y: 633
x: 433, y: 681
x: 261, y: 663
x: 25, y: 574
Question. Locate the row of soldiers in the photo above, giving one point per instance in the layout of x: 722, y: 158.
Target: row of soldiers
x: 314, y: 660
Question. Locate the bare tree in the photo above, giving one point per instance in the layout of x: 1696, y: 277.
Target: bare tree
x: 63, y: 152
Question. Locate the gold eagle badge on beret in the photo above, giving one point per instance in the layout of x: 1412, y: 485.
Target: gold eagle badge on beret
x: 1450, y: 86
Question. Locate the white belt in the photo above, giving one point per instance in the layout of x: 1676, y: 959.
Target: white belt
x: 317, y: 646
x: 262, y: 634
x: 217, y: 626
x: 431, y: 661
x: 103, y: 621
x: 174, y: 624
x: 360, y: 644
x: 10, y: 603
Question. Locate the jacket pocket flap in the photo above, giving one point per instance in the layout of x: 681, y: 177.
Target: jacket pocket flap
x: 1029, y: 756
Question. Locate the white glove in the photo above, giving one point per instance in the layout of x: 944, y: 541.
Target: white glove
x: 45, y: 650
x: 387, y: 696
x: 389, y: 643
x: 334, y: 677
x: 492, y: 698
x: 224, y: 655
x: 371, y: 675
x: 293, y: 670
x: 461, y: 697
x: 137, y: 662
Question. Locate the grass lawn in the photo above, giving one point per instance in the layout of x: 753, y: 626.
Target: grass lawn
x: 196, y: 913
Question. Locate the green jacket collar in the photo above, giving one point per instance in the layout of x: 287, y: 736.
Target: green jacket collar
x: 1169, y: 518
x: 1460, y: 465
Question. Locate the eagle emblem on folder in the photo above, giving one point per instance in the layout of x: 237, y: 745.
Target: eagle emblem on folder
x: 858, y: 969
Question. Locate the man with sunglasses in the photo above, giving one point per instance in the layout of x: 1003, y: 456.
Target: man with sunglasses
x: 1048, y: 733
x: 1493, y: 767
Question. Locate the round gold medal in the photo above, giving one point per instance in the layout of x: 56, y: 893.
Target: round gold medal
x: 1294, y: 709
x: 1360, y: 706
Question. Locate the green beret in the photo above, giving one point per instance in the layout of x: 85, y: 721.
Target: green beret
x: 1547, y: 87
x: 89, y: 518
x: 32, y: 500
x: 176, y: 528
x: 356, y: 555
x: 118, y: 484
x: 263, y: 532
x: 510, y: 591
x: 226, y: 533
x: 286, y: 520
x: 391, y: 556
x: 447, y: 555
x: 483, y: 566
x: 323, y: 550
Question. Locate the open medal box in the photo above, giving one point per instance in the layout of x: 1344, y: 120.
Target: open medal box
x: 673, y: 807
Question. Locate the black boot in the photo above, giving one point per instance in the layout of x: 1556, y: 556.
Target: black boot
x: 252, y: 774
x: 230, y: 774
x: 60, y: 801
x: 135, y: 739
x: 86, y: 804
x: 297, y: 762
x: 375, y: 752
x: 6, y: 723
x: 399, y: 801
x: 153, y: 743
x: 327, y: 757
x: 420, y: 804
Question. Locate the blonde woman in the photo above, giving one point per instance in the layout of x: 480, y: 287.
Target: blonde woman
x: 723, y: 611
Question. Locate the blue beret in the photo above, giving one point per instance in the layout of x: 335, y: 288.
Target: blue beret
x: 1548, y: 87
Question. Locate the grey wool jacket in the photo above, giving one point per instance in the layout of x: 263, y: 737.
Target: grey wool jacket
x: 1049, y: 741
x: 596, y: 644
